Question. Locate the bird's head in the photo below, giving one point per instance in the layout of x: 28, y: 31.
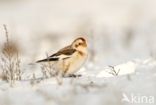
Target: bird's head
x: 80, y: 44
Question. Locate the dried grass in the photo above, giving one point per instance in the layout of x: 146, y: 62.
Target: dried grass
x: 48, y: 70
x: 113, y: 71
x: 10, y: 60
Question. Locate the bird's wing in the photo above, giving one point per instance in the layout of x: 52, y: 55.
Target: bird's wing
x: 64, y: 53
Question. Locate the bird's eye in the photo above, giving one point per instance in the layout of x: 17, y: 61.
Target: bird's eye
x: 79, y: 43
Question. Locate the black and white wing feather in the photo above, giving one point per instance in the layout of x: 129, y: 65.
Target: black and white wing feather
x: 62, y: 54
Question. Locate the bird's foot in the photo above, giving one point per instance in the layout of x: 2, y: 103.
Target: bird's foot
x: 74, y: 75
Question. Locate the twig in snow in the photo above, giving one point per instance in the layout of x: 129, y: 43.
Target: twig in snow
x: 113, y: 71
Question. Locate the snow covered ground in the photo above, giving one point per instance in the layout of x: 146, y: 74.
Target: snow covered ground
x: 121, y: 68
x: 93, y: 88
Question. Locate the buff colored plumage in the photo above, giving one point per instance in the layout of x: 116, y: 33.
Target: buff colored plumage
x: 69, y: 59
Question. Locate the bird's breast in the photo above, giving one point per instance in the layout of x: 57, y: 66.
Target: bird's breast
x: 76, y: 62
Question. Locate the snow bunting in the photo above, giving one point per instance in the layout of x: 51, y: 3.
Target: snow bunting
x: 69, y: 59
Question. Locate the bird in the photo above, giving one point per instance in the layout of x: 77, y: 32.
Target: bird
x: 69, y: 59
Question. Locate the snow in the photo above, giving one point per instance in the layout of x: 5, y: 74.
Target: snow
x: 121, y: 65
x: 87, y: 90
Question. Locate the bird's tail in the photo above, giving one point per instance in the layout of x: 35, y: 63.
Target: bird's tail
x: 47, y: 60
